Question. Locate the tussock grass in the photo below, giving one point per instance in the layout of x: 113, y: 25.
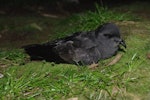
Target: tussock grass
x: 89, y: 21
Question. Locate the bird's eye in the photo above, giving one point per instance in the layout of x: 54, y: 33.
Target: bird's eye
x: 108, y: 35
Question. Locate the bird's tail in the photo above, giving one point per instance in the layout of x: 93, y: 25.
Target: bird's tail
x: 35, y: 51
x: 43, y: 52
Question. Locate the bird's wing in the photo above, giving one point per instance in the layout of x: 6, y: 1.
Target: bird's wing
x: 85, y: 40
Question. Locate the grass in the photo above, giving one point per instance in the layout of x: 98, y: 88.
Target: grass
x: 89, y: 21
x: 136, y: 6
x: 128, y: 79
x: 43, y: 80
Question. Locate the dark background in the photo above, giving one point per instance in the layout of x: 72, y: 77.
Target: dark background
x: 56, y: 6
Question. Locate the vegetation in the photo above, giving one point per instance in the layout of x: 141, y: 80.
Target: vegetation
x: 90, y: 20
x: 128, y: 79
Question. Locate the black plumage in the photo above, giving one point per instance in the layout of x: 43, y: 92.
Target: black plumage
x: 81, y: 47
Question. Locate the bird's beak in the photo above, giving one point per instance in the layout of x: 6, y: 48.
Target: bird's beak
x: 123, y: 43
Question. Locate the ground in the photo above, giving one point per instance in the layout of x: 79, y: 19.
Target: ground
x: 20, y: 78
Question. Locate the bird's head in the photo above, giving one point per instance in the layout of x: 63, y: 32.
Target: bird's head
x: 110, y: 32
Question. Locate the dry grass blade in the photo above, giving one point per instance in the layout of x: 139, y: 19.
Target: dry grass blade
x: 1, y: 75
x: 148, y: 56
x: 49, y: 15
x: 73, y: 98
x: 115, y: 60
x: 93, y: 66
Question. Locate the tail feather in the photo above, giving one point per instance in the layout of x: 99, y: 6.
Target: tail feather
x: 35, y: 51
x: 42, y: 52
